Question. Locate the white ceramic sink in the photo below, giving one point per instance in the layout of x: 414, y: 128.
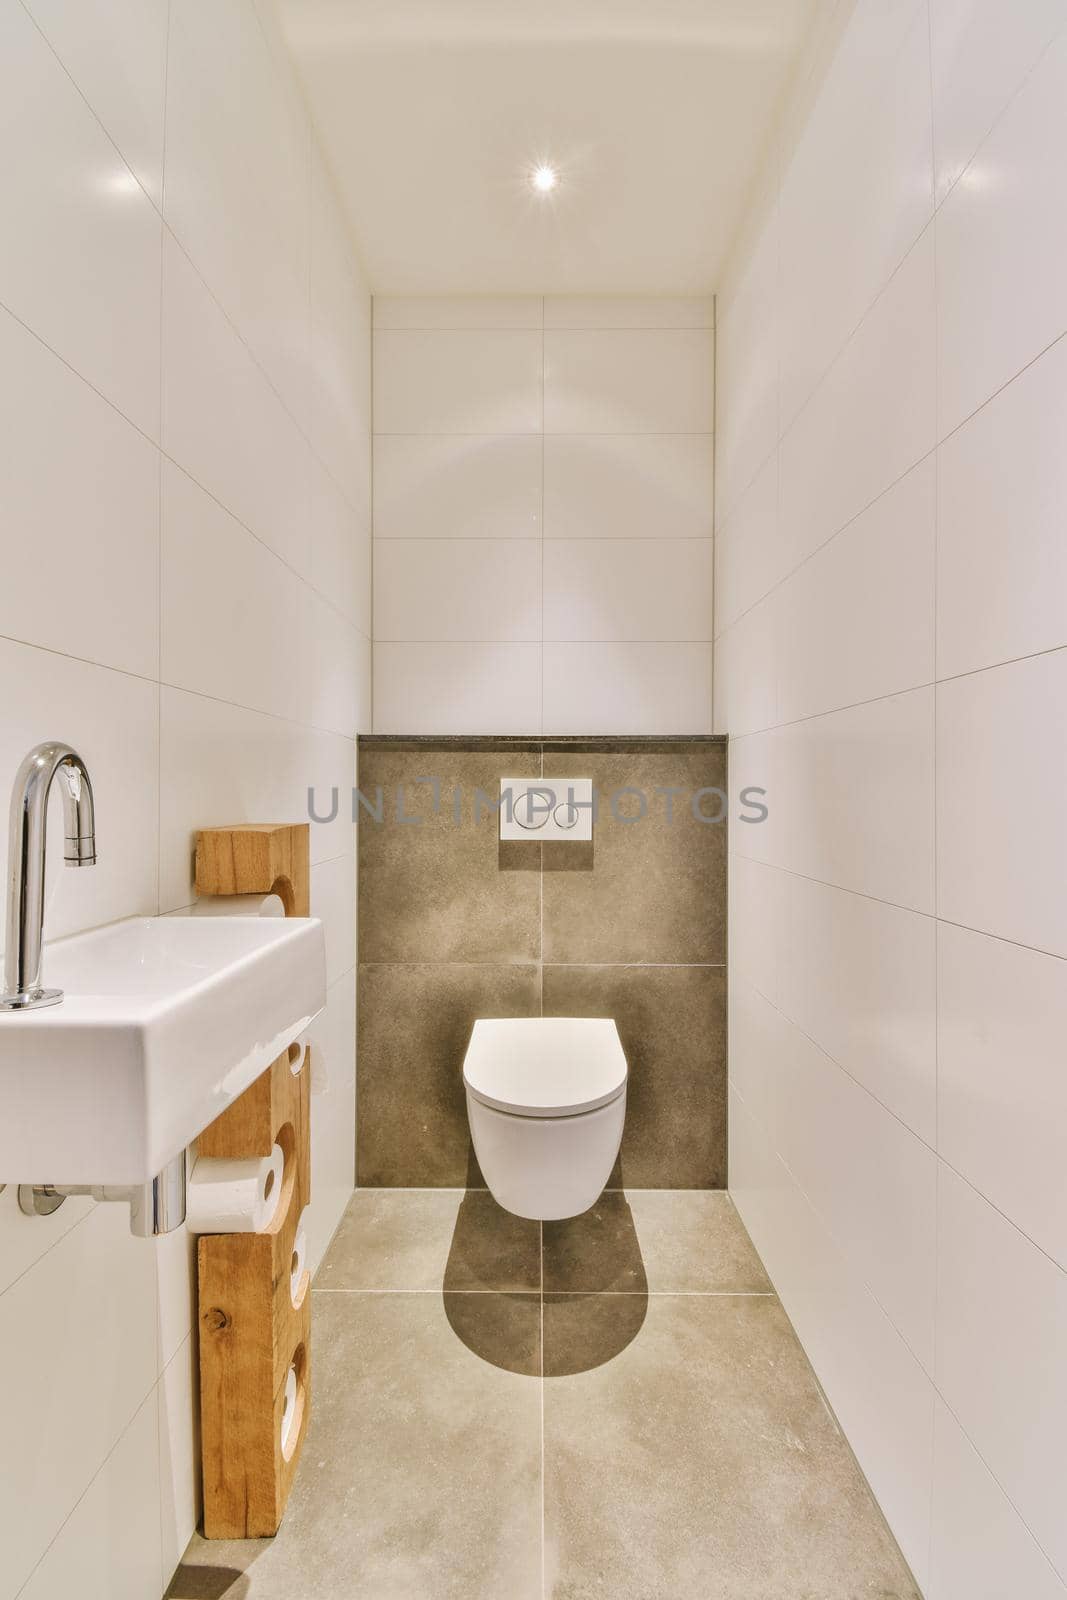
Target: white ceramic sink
x: 164, y: 1022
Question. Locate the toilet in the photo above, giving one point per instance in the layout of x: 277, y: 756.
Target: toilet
x: 546, y: 1103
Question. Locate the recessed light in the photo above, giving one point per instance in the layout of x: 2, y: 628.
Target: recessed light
x: 544, y: 178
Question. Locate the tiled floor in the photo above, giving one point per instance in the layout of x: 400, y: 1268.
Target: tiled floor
x: 618, y: 1409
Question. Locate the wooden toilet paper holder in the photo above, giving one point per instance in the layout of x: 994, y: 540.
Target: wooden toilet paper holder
x: 255, y: 1326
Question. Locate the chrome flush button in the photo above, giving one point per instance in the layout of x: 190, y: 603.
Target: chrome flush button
x: 565, y: 815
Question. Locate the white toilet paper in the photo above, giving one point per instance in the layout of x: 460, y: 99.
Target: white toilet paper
x: 238, y: 905
x: 299, y: 1264
x: 227, y: 1196
x: 288, y: 1430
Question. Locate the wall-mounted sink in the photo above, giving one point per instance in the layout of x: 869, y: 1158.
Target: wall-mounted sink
x: 164, y: 1022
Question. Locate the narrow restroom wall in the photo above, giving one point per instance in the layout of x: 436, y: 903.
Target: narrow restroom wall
x: 543, y: 515
x: 185, y: 343
x: 891, y: 663
x: 455, y: 923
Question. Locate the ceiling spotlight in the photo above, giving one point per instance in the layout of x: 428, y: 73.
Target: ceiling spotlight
x: 544, y: 178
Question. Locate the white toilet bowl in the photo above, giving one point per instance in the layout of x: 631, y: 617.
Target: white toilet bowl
x: 546, y: 1102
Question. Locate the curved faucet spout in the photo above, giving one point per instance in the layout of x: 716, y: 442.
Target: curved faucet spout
x: 26, y: 862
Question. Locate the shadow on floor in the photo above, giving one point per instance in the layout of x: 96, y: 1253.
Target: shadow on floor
x: 208, y: 1583
x: 571, y: 1306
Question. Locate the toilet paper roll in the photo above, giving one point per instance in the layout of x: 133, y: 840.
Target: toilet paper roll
x: 231, y: 1196
x: 288, y: 1428
x: 298, y: 1264
x: 238, y: 905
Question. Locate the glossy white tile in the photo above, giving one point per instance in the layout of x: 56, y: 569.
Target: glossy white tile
x: 111, y: 719
x: 178, y: 1402
x: 1001, y: 768
x: 627, y: 589
x: 859, y: 977
x: 1001, y: 555
x: 457, y: 311
x: 871, y: 418
x: 981, y: 1549
x: 629, y: 311
x: 333, y: 1115
x: 856, y: 789
x: 619, y: 381
x: 627, y: 688
x: 457, y: 688
x: 1002, y: 247
x: 339, y: 414
x: 80, y: 489
x: 1002, y: 1100
x: 109, y: 1547
x: 237, y: 183
x: 1002, y: 1322
x: 463, y: 590
x: 856, y: 192
x: 81, y: 1379
x: 449, y: 486
x: 80, y: 265
x: 117, y: 55
x: 981, y: 52
x: 484, y: 381
x: 746, y: 373
x: 857, y: 619
x: 636, y: 486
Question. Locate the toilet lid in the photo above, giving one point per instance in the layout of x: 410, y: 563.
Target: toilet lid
x: 545, y: 1066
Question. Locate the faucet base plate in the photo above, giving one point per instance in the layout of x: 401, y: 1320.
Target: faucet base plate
x: 30, y: 999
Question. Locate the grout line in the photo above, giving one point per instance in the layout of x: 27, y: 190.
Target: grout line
x: 583, y: 1294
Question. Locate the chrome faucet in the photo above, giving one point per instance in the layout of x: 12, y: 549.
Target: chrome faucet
x: 26, y: 860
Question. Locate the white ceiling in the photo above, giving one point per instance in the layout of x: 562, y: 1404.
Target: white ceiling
x: 656, y: 113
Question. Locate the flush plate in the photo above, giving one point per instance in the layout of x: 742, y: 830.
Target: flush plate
x: 546, y: 808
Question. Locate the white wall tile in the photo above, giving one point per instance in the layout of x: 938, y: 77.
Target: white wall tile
x: 457, y: 382
x: 870, y: 419
x: 1001, y: 773
x: 748, y: 557
x: 333, y: 900
x: 469, y: 590
x: 857, y: 619
x: 450, y: 486
x: 981, y: 1549
x: 629, y: 311
x: 746, y: 670
x: 881, y: 1395
x: 857, y: 791
x: 339, y: 415
x: 604, y: 381
x: 1002, y: 1098
x: 759, y: 903
x: 746, y: 373
x: 224, y: 423
x: 221, y: 764
x: 627, y: 589
x: 117, y: 55
x: 859, y: 977
x: 80, y: 489
x: 178, y: 1400
x: 333, y: 1115
x: 457, y: 311
x: 601, y: 486
x: 109, y: 1548
x: 110, y: 719
x: 341, y: 548
x: 1002, y: 1323
x: 1001, y: 554
x: 627, y: 688
x: 857, y: 190
x: 21, y: 1246
x: 981, y: 51
x: 81, y: 1378
x: 237, y: 194
x: 81, y: 263
x: 457, y: 688
x: 1002, y: 248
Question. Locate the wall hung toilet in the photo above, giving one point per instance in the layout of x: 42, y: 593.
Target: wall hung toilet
x: 546, y: 1102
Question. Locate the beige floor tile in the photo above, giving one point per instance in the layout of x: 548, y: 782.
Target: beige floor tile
x: 431, y: 1239
x: 420, y: 1478
x: 662, y: 1241
x: 699, y: 1463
